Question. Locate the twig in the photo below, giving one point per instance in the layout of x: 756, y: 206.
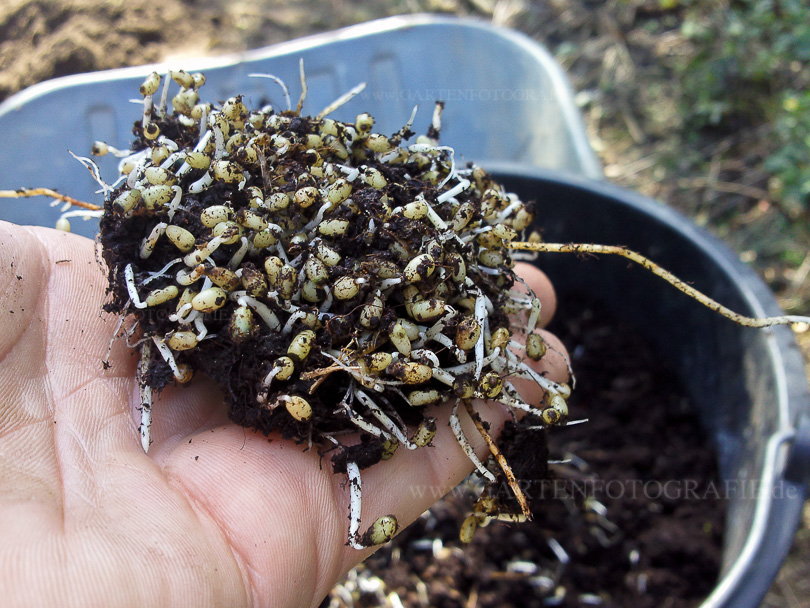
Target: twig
x: 30, y: 192
x: 722, y: 186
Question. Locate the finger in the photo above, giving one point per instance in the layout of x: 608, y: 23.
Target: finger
x: 554, y: 365
x: 275, y: 505
x: 23, y: 278
x: 67, y: 419
x: 540, y: 284
x: 27, y: 458
x: 79, y: 333
x: 92, y: 398
x: 91, y: 386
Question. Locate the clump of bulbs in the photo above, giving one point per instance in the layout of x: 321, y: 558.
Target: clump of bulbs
x: 330, y: 278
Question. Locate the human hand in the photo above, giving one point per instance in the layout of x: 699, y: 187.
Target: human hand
x: 215, y: 514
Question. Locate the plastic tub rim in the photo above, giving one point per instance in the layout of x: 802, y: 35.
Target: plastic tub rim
x: 590, y: 165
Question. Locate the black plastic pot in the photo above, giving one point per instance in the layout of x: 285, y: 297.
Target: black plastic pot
x: 748, y: 384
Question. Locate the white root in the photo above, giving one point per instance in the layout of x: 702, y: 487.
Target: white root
x: 357, y: 419
x: 239, y: 254
x: 355, y: 504
x: 523, y: 370
x: 168, y: 357
x: 534, y: 315
x: 202, y: 184
x: 566, y: 423
x: 129, y: 279
x: 510, y: 209
x: 82, y: 213
x: 145, y: 391
x: 147, y: 111
x: 162, y: 272
x: 219, y: 136
x: 200, y: 255
x: 384, y: 420
x: 174, y: 204
x: 148, y: 244
x: 434, y: 217
x: 164, y: 96
x: 297, y: 314
x: 481, y: 318
x: 452, y: 192
x: 141, y: 160
x: 447, y: 342
x: 443, y: 376
x: 312, y: 226
x: 487, y: 270
x: 280, y: 83
x: 450, y: 313
x: 92, y: 167
x: 115, y: 336
x: 510, y: 399
x: 397, y: 137
x: 261, y: 309
x: 468, y: 367
x: 186, y: 277
x: 452, y: 173
x: 268, y: 379
x: 461, y: 438
x: 425, y: 354
x: 172, y: 159
x: 180, y: 315
x: 351, y: 173
x: 199, y: 325
x: 302, y: 77
x: 342, y: 100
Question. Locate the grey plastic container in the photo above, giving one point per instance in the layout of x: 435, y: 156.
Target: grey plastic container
x: 507, y: 99
x: 509, y: 108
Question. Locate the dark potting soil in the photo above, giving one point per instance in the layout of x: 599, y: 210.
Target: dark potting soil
x: 633, y: 511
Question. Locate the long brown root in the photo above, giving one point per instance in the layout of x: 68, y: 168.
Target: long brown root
x: 30, y: 192
x: 500, y: 459
x: 633, y: 256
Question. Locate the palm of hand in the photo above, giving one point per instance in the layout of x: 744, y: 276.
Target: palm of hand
x: 213, y: 515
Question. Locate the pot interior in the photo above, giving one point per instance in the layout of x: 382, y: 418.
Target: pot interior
x: 738, y: 377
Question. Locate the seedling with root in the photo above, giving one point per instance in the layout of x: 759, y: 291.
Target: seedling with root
x: 333, y: 280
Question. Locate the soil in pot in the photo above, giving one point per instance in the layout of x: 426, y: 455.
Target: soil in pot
x: 635, y: 509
